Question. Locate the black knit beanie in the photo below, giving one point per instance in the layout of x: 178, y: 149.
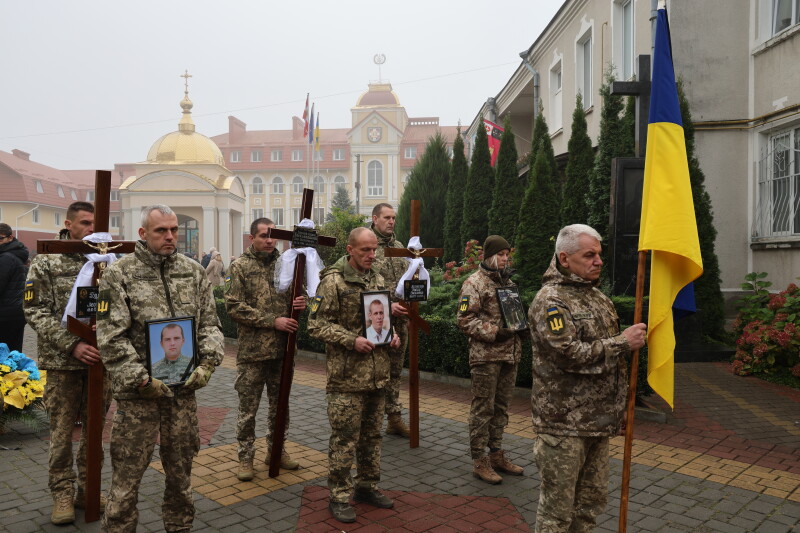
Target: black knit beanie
x: 494, y: 244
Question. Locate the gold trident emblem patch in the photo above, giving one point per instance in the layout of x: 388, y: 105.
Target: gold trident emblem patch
x: 555, y: 320
x: 30, y: 291
x: 102, y: 307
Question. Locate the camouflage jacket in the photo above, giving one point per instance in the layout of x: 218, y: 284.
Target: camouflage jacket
x: 144, y: 286
x: 480, y: 319
x: 337, y: 319
x: 47, y: 289
x: 391, y: 268
x: 253, y: 303
x: 579, y: 369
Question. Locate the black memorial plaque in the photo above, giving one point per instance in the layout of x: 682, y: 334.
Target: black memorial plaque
x: 304, y: 237
x: 627, y: 180
x: 415, y: 290
x: 86, y: 306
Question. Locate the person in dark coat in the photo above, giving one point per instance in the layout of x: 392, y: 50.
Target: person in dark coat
x: 13, y: 270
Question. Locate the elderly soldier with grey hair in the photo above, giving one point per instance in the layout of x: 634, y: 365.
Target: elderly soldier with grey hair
x: 494, y: 355
x: 153, y: 283
x: 357, y: 372
x: 67, y: 359
x: 580, y: 383
x: 261, y: 315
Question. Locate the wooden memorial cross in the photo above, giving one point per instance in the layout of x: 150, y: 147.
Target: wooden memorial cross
x: 95, y: 414
x: 416, y: 323
x: 300, y: 238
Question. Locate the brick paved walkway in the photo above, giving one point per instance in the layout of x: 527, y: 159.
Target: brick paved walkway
x: 727, y: 460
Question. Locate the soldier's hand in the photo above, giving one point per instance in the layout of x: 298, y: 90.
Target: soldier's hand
x: 86, y: 353
x: 199, y: 377
x: 363, y: 345
x: 155, y: 388
x: 503, y: 334
x: 299, y: 303
x: 636, y: 335
x: 399, y: 309
x: 284, y: 323
x: 395, y: 341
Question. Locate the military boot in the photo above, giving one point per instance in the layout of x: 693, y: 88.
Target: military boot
x: 482, y: 470
x: 343, y: 512
x: 80, y: 501
x: 245, y: 472
x: 499, y: 462
x: 63, y: 508
x: 397, y: 426
x: 287, y: 462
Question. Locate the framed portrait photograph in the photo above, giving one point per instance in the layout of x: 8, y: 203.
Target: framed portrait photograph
x: 171, y: 349
x: 377, y: 313
x: 514, y: 315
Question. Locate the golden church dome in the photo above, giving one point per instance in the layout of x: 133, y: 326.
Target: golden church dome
x: 185, y: 145
x: 379, y: 95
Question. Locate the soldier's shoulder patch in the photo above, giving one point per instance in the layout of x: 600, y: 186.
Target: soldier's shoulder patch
x: 582, y: 316
x: 463, y: 304
x: 104, y: 303
x: 314, y: 304
x: 555, y: 320
x: 227, y: 283
x: 31, y: 294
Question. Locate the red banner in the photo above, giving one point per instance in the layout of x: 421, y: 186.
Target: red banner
x: 493, y: 133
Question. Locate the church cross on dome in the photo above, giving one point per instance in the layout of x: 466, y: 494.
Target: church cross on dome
x: 379, y: 59
x: 185, y: 77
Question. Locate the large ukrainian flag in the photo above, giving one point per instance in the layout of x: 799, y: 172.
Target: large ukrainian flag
x: 668, y: 225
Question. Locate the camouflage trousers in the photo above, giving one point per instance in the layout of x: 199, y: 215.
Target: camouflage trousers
x: 397, y: 357
x: 137, y: 424
x: 492, y: 388
x: 356, y: 419
x: 65, y: 397
x: 251, y: 378
x: 574, y: 488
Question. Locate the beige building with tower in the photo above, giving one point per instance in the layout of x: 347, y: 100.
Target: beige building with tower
x: 738, y: 60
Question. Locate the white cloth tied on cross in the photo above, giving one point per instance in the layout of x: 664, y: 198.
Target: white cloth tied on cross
x: 284, y: 270
x: 84, y: 278
x: 413, y: 265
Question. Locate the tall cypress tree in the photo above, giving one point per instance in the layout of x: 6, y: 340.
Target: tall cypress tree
x: 574, y: 208
x: 454, y: 209
x: 541, y: 137
x: 611, y: 143
x: 428, y: 184
x: 707, y: 287
x: 508, y: 188
x: 478, y: 193
x: 538, y: 223
x: 341, y: 200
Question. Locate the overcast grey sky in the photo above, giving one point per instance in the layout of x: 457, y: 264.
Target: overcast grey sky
x: 87, y: 84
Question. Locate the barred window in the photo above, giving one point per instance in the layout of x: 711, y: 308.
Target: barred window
x: 778, y: 203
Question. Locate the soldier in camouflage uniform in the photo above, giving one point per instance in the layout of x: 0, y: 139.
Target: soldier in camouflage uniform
x: 357, y: 372
x: 154, y: 283
x: 494, y: 354
x: 261, y: 315
x: 579, y: 383
x: 392, y: 269
x: 66, y: 358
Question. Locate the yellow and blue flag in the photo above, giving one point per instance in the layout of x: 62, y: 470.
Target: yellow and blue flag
x: 311, y: 127
x: 668, y: 225
x: 316, y: 134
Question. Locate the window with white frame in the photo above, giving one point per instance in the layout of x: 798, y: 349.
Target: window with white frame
x: 784, y: 14
x: 410, y: 152
x: 583, y: 68
x: 339, y: 183
x: 276, y: 155
x: 297, y: 185
x: 338, y: 154
x: 297, y: 155
x: 318, y: 155
x: 60, y: 191
x: 277, y: 216
x: 318, y: 215
x: 374, y: 178
x: 38, y: 185
x: 35, y: 216
x: 114, y: 196
x: 555, y: 95
x: 57, y: 218
x: 90, y: 196
x: 115, y: 221
x: 319, y: 184
x: 622, y: 52
x: 255, y: 156
x: 277, y: 185
x: 778, y: 203
x: 257, y: 185
x: 236, y: 156
x: 258, y: 213
x: 73, y: 194
x: 295, y: 216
